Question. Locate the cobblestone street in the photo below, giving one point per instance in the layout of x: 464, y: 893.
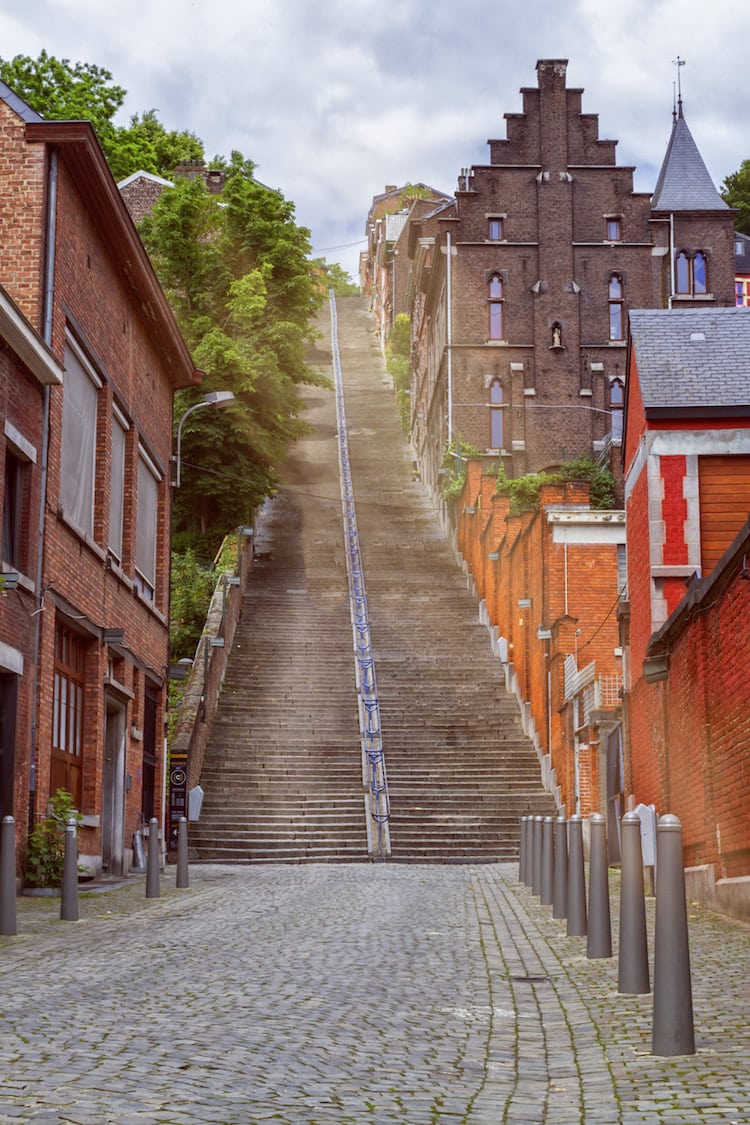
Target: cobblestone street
x: 351, y: 993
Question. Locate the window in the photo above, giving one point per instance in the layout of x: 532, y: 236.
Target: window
x: 78, y: 455
x: 614, y: 229
x: 496, y: 297
x: 616, y: 406
x: 691, y: 274
x: 117, y: 484
x: 68, y: 713
x: 15, y: 510
x: 742, y: 291
x: 497, y: 421
x: 496, y: 230
x: 146, y: 525
x: 616, y: 310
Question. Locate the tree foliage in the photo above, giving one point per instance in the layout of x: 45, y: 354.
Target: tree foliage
x: 237, y: 274
x: 397, y: 365
x: 63, y: 91
x: 736, y: 192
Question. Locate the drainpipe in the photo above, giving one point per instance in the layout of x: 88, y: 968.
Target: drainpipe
x: 47, y: 319
x: 449, y: 338
x: 671, y: 258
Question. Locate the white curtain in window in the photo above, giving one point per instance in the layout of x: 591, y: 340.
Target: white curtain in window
x: 78, y: 455
x: 117, y: 487
x: 145, y: 535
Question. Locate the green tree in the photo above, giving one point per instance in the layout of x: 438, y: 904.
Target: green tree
x: 335, y: 277
x: 63, y: 91
x: 736, y: 192
x: 238, y: 275
x: 397, y: 365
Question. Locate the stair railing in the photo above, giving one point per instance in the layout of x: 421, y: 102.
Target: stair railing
x: 374, y: 779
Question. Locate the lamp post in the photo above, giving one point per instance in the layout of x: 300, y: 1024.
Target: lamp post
x: 213, y: 398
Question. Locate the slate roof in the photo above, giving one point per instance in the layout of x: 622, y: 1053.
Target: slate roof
x: 692, y: 360
x: 684, y: 182
x: 18, y: 105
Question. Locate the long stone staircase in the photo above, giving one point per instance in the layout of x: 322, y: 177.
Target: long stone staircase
x: 283, y: 775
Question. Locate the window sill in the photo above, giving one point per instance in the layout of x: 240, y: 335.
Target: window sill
x: 82, y: 535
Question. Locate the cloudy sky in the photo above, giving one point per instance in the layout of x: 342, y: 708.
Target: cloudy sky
x: 334, y: 99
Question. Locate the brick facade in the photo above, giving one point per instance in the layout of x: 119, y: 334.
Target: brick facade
x: 91, y: 294
x: 687, y: 650
x: 548, y: 581
x: 551, y: 236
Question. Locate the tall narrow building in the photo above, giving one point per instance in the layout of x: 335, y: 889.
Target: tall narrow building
x: 521, y: 286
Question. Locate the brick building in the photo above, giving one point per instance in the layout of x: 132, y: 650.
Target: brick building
x: 687, y: 488
x: 548, y: 582
x: 384, y: 267
x: 86, y: 386
x: 522, y: 284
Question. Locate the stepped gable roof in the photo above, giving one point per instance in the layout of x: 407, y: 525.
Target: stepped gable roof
x: 684, y: 182
x: 692, y: 362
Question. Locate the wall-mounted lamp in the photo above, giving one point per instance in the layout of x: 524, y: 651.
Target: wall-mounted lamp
x: 9, y: 579
x: 113, y: 636
x: 543, y: 634
x: 213, y: 398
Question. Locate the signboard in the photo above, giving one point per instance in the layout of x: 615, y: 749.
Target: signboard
x: 177, y: 799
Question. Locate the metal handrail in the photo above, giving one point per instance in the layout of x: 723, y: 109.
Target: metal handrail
x: 374, y: 778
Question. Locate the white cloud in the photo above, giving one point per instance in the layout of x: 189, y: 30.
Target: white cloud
x: 335, y: 99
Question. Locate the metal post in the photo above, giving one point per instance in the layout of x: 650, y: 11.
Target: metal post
x: 599, y: 939
x: 576, y: 926
x: 632, y: 968
x: 152, y: 863
x: 536, y: 874
x: 673, y: 1032
x: 522, y: 857
x: 560, y: 878
x: 548, y: 854
x: 69, y: 901
x: 8, y: 877
x: 182, y: 853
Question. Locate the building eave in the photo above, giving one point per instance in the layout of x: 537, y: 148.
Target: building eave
x: 80, y: 149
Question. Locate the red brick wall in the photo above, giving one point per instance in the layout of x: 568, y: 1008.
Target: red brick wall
x: 690, y: 733
x: 575, y: 598
x: 22, y: 201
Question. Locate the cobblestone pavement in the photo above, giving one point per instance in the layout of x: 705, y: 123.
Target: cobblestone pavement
x: 351, y: 993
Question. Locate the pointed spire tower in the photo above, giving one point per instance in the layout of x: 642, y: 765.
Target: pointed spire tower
x: 700, y: 223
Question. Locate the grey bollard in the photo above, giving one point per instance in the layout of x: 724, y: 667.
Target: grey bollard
x: 599, y: 937
x: 673, y: 1032
x: 182, y: 854
x: 632, y: 968
x: 8, y: 877
x: 523, y: 849
x: 576, y: 926
x: 152, y: 863
x: 69, y: 900
x: 548, y: 857
x: 560, y: 876
x: 536, y: 874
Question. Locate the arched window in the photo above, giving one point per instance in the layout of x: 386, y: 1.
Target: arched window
x: 616, y: 310
x: 616, y: 406
x: 496, y: 297
x: 682, y: 273
x: 497, y: 433
x: 691, y: 274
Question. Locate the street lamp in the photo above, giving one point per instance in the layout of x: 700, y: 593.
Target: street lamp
x: 213, y: 398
